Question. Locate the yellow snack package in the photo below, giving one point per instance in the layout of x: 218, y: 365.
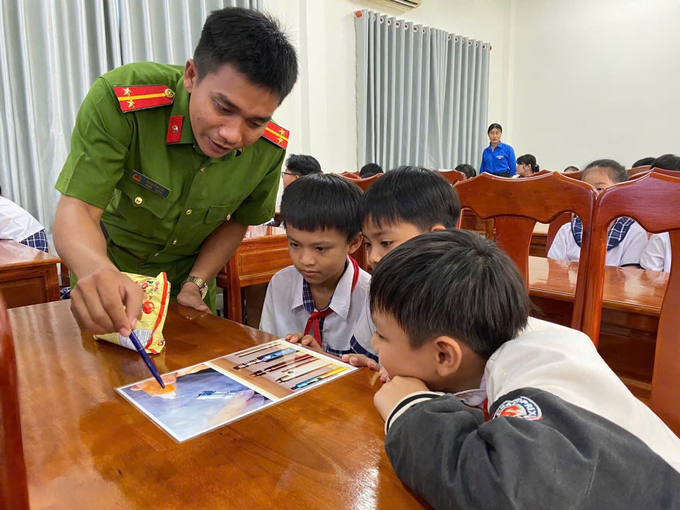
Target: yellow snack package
x: 149, y: 327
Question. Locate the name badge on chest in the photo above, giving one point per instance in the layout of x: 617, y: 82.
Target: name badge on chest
x: 150, y: 184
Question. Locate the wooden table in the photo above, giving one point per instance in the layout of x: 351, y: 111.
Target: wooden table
x: 27, y: 276
x: 263, y: 252
x: 86, y: 447
x: 630, y: 315
x: 539, y: 240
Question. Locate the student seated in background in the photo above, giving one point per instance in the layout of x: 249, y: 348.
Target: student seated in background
x: 468, y: 170
x: 20, y: 226
x: 657, y: 254
x: 299, y: 165
x: 527, y: 166
x: 564, y: 432
x: 570, y: 170
x: 626, y: 239
x: 390, y: 213
x: 369, y: 170
x: 324, y: 292
x: 643, y: 162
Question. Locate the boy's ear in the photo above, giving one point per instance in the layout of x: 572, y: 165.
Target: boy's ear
x: 355, y: 243
x: 437, y: 227
x: 449, y: 355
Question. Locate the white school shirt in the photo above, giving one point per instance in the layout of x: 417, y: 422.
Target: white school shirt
x: 628, y: 251
x: 565, y: 362
x: 361, y: 339
x: 284, y: 312
x: 657, y: 254
x: 16, y: 223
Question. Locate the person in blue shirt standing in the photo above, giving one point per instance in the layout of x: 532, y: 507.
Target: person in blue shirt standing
x: 498, y: 158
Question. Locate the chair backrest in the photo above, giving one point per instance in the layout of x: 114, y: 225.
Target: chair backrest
x: 517, y: 204
x: 364, y: 183
x: 653, y: 201
x: 350, y: 175
x: 638, y: 170
x: 633, y: 173
x: 453, y: 176
x: 13, y: 487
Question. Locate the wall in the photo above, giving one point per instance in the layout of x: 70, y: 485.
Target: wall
x: 321, y: 111
x: 594, y: 80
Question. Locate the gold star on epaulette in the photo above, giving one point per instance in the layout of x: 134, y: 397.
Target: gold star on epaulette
x: 131, y: 104
x: 127, y: 91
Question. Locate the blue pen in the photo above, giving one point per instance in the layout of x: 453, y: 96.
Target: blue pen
x: 267, y: 357
x: 145, y: 357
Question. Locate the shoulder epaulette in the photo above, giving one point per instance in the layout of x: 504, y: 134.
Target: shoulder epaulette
x: 276, y: 134
x: 142, y: 97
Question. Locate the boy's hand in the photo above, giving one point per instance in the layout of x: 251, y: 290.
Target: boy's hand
x: 391, y: 393
x: 360, y: 360
x: 304, y: 340
x: 384, y: 376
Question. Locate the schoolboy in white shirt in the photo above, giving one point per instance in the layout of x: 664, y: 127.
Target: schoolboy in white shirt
x: 323, y: 293
x: 564, y: 432
x: 626, y: 239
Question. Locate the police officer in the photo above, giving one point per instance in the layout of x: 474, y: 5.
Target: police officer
x: 168, y: 167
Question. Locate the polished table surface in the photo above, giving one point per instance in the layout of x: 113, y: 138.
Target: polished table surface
x: 27, y: 276
x: 86, y: 447
x: 15, y: 255
x: 630, y: 313
x: 625, y: 288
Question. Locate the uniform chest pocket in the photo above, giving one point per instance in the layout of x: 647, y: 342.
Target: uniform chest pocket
x: 137, y: 198
x: 219, y: 213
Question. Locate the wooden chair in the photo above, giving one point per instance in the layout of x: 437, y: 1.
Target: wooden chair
x: 350, y: 175
x: 517, y: 204
x: 13, y: 486
x: 633, y: 173
x: 364, y: 183
x: 654, y: 201
x: 452, y: 176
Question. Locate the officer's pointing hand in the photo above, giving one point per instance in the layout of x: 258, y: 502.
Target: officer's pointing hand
x: 106, y: 301
x: 190, y: 296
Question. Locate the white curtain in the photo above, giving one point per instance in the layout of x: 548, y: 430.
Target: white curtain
x: 422, y: 94
x: 50, y: 54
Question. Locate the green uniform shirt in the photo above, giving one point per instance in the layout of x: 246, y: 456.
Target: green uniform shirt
x: 161, y: 199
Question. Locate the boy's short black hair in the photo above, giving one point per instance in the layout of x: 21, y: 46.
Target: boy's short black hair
x: 572, y: 168
x: 303, y: 164
x: 666, y: 162
x: 615, y: 170
x: 369, y: 170
x: 322, y: 201
x: 643, y: 162
x: 452, y: 283
x: 468, y: 170
x: 410, y: 194
x: 253, y: 43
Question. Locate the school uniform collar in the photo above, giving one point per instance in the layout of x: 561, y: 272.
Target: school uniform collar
x: 341, y: 296
x: 615, y: 235
x: 500, y: 145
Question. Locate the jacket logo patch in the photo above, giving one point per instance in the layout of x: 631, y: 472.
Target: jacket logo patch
x: 521, y: 407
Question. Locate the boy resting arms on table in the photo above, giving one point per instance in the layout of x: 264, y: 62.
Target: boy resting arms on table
x: 564, y: 432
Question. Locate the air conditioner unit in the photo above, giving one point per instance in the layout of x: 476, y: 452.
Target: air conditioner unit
x: 402, y: 5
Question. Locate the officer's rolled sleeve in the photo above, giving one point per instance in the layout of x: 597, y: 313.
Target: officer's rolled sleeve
x: 260, y: 205
x: 99, y: 148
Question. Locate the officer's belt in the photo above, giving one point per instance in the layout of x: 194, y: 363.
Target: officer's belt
x: 106, y: 236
